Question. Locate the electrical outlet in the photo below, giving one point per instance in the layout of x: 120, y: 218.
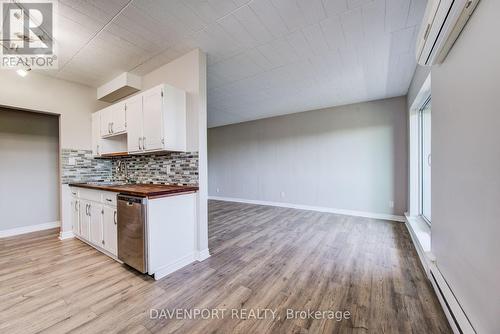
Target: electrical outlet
x: 217, y: 190
x: 282, y: 194
x: 391, y: 204
x: 71, y: 161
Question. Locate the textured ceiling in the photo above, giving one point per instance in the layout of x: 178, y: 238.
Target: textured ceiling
x: 265, y: 57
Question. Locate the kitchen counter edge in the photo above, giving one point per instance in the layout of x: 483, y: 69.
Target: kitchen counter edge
x: 140, y: 190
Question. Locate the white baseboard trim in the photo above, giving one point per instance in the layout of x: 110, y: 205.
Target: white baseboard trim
x: 28, y: 229
x: 420, y: 234
x: 456, y: 316
x: 202, y: 255
x: 66, y: 235
x: 170, y: 268
x: 364, y: 214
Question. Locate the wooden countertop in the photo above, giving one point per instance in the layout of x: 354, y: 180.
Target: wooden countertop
x: 141, y: 190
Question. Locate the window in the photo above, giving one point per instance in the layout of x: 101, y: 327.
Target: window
x: 425, y: 159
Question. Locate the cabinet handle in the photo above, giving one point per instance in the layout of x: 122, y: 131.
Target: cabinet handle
x: 108, y: 199
x: 103, y: 242
x: 76, y: 205
x: 86, y: 209
x: 143, y: 143
x: 114, y: 217
x: 97, y: 149
x: 109, y: 127
x: 112, y: 131
x: 140, y: 148
x: 90, y: 213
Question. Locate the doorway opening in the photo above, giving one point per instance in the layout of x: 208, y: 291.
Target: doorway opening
x: 29, y: 171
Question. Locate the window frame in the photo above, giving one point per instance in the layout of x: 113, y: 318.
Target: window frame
x: 421, y: 157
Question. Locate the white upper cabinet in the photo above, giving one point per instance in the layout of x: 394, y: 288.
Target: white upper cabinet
x: 174, y: 121
x: 105, y: 119
x: 119, y: 118
x: 154, y: 120
x: 96, y: 134
x: 114, y: 120
x: 107, y: 145
x: 157, y: 120
x: 134, y: 130
x: 152, y: 110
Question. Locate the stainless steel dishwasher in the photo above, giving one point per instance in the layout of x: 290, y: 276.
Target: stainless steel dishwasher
x: 132, y: 233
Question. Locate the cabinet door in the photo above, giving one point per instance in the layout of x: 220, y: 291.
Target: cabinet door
x: 95, y: 212
x: 153, y: 119
x: 134, y: 124
x: 109, y: 229
x: 84, y: 219
x: 96, y: 134
x: 106, y: 115
x: 75, y: 216
x: 118, y: 118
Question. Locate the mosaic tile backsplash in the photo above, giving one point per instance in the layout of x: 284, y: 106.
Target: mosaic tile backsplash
x: 169, y: 168
x: 85, y: 168
x: 172, y: 168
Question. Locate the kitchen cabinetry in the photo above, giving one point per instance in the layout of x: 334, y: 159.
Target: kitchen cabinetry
x: 155, y: 120
x: 94, y: 219
x: 85, y: 220
x: 134, y: 131
x: 103, y: 146
x: 113, y: 119
x: 157, y: 225
x: 95, y: 223
x: 75, y: 216
x: 109, y: 219
x: 152, y: 119
x: 96, y: 134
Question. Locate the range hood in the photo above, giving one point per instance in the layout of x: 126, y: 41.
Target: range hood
x: 121, y: 86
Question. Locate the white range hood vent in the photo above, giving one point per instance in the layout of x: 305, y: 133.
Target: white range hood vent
x: 121, y: 86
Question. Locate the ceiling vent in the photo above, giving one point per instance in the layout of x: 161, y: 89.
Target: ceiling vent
x: 121, y: 86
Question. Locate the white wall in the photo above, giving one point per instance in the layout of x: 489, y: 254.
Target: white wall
x: 74, y: 102
x: 466, y: 168
x: 419, y: 76
x: 351, y: 158
x: 29, y: 178
x: 189, y: 73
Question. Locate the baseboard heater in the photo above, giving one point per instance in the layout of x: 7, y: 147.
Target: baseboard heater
x: 457, y: 318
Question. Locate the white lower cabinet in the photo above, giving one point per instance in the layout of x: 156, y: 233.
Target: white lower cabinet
x: 85, y: 219
x: 94, y: 219
x: 75, y: 215
x: 109, y: 220
x: 95, y: 211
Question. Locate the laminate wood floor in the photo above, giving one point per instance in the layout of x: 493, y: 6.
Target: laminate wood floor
x: 262, y: 258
